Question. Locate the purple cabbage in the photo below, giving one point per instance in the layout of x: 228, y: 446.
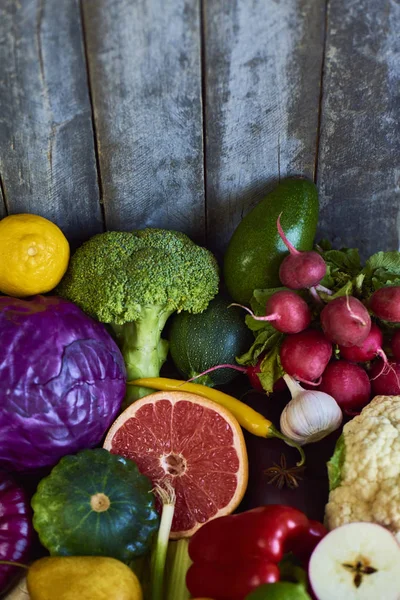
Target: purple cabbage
x: 15, y: 530
x: 62, y: 381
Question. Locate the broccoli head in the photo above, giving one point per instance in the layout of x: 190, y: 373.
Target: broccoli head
x: 133, y: 281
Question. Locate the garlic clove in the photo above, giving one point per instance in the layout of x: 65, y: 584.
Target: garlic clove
x: 310, y: 416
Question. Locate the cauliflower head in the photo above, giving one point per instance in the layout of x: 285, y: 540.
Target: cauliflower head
x: 364, y: 472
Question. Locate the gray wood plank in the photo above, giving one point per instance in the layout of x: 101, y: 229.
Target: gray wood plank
x: 145, y: 72
x: 263, y: 67
x: 2, y: 205
x: 47, y: 159
x: 358, y: 169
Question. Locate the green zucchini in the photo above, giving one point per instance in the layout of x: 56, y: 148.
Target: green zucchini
x: 213, y: 337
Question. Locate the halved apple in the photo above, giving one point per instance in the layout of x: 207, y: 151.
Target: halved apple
x: 359, y: 561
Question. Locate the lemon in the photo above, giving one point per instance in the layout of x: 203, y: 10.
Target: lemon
x: 82, y: 578
x: 34, y: 255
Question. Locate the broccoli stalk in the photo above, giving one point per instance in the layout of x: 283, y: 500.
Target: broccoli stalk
x: 142, y: 347
x: 133, y: 281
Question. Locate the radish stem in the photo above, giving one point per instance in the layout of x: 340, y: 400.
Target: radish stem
x: 273, y: 317
x: 167, y: 496
x: 318, y: 382
x: 386, y: 366
x: 177, y: 589
x: 325, y: 290
x: 353, y: 315
x: 314, y: 294
x: 211, y: 369
x: 284, y: 239
x: 292, y: 381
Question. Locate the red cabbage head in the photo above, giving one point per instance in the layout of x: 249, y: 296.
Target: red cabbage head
x: 62, y: 381
x: 15, y: 530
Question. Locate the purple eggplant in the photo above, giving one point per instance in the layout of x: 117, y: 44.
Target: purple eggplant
x: 15, y: 529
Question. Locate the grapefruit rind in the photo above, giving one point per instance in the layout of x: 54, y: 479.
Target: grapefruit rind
x: 143, y: 406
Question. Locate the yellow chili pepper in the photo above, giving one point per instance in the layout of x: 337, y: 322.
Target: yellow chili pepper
x: 246, y: 416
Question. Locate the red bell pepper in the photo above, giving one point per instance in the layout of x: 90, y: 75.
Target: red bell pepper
x: 235, y: 554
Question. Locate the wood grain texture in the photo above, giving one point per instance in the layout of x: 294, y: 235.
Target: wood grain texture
x: 145, y: 73
x: 358, y: 169
x: 2, y: 205
x: 47, y: 159
x: 263, y: 67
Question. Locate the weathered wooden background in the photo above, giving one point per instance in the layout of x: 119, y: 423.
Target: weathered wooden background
x: 183, y: 113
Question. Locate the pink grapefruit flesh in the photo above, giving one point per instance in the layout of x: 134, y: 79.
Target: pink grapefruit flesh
x: 193, y: 443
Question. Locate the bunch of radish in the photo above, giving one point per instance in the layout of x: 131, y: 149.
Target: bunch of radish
x: 307, y: 351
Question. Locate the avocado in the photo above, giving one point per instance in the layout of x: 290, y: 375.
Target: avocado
x: 256, y: 251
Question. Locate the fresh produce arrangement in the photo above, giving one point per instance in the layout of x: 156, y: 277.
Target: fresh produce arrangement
x: 134, y: 281
x: 256, y: 250
x: 202, y: 450
x: 139, y: 381
x: 251, y: 544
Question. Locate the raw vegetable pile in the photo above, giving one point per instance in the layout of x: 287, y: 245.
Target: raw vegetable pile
x: 135, y: 479
x: 354, y: 317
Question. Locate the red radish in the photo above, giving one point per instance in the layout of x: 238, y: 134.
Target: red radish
x: 348, y: 384
x: 395, y: 345
x: 345, y: 321
x: 368, y: 350
x: 286, y: 310
x: 385, y: 303
x: 300, y: 270
x: 385, y: 382
x: 252, y: 374
x: 280, y: 386
x: 305, y: 355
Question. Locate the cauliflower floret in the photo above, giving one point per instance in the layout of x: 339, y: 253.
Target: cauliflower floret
x: 365, y: 469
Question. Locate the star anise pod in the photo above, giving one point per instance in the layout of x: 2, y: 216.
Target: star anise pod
x: 281, y: 475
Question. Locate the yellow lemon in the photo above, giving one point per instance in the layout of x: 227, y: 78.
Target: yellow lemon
x: 34, y: 255
x: 82, y: 578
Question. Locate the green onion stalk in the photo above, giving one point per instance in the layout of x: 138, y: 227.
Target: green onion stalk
x: 171, y: 585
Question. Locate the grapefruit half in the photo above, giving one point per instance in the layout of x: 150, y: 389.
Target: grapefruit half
x: 191, y: 442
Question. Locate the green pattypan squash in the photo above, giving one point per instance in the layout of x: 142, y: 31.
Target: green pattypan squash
x: 95, y: 503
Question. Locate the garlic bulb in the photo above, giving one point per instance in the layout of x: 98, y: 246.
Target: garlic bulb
x: 310, y: 415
